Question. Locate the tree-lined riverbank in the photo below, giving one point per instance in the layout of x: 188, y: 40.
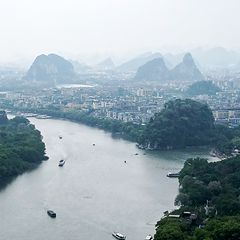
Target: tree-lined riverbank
x: 209, y: 203
x: 21, y: 146
x: 180, y: 124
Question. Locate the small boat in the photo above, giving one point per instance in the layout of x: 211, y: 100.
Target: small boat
x: 93, y: 144
x: 60, y: 137
x: 149, y: 237
x: 136, y: 153
x: 118, y: 236
x: 61, y: 163
x: 173, y: 175
x: 51, y: 214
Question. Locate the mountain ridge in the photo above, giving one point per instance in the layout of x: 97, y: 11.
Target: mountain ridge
x: 51, y: 69
x: 156, y: 70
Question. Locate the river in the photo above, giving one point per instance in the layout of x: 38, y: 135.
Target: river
x: 95, y: 192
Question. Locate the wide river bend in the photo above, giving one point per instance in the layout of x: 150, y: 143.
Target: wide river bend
x: 95, y: 192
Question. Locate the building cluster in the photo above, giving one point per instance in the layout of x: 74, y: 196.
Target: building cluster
x: 128, y: 104
x: 225, y: 106
x: 125, y: 103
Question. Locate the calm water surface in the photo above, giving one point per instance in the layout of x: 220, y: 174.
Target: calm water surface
x: 95, y: 192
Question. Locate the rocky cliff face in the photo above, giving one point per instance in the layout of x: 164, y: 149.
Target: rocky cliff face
x: 51, y: 69
x: 186, y: 70
x: 154, y: 70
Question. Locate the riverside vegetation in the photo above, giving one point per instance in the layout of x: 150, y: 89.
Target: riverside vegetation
x: 211, y: 193
x: 181, y: 123
x: 21, y: 146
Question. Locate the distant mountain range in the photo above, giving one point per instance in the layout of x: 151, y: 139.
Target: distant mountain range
x: 156, y: 70
x: 212, y: 58
x: 218, y: 57
x: 133, y: 64
x: 51, y: 69
x: 186, y: 70
x: 80, y: 67
x: 150, y: 66
x: 106, y: 65
x: 205, y: 59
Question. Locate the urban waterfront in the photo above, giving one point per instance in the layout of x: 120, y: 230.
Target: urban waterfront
x: 95, y: 193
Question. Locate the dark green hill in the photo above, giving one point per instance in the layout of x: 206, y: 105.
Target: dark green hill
x: 180, y: 124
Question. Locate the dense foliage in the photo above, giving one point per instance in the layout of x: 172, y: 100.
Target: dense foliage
x: 212, y: 192
x: 227, y: 139
x: 181, y: 123
x: 217, y: 182
x: 202, y: 88
x: 171, y: 229
x: 218, y: 228
x: 21, y: 147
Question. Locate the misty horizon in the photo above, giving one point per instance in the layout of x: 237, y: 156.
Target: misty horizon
x: 92, y: 60
x: 94, y: 30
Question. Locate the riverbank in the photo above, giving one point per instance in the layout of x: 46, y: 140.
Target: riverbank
x: 208, y: 200
x: 180, y: 124
x: 21, y: 147
x: 96, y: 123
x: 125, y: 130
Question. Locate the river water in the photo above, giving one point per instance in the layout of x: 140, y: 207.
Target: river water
x: 95, y: 192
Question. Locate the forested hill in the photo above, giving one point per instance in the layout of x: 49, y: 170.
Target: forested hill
x: 209, y: 200
x: 21, y: 146
x: 180, y: 124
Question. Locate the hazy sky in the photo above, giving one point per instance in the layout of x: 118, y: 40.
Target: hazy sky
x: 114, y: 27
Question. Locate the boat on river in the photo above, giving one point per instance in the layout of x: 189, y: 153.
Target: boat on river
x: 149, y: 237
x: 118, y: 235
x: 173, y: 175
x: 61, y: 163
x: 51, y: 213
